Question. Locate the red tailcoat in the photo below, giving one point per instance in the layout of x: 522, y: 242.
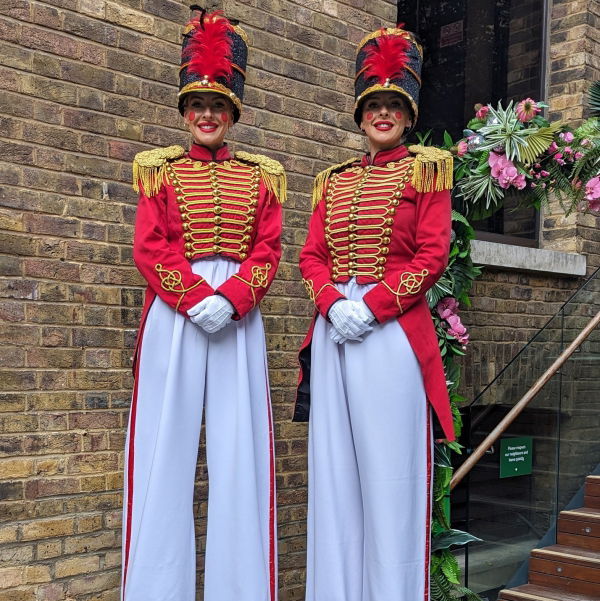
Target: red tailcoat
x: 212, y: 203
x: 373, y: 225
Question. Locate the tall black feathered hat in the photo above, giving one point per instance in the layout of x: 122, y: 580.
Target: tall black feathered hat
x: 214, y: 53
x: 388, y: 60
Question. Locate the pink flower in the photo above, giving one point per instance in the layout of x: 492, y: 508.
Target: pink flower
x: 544, y: 173
x: 482, y: 113
x: 505, y: 172
x: 447, y: 307
x: 566, y: 136
x: 552, y: 148
x: 585, y: 142
x: 568, y: 149
x: 578, y: 155
x: 457, y: 329
x: 592, y: 190
x: 462, y: 148
x: 526, y: 110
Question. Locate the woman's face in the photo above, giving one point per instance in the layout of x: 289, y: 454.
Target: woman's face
x: 385, y: 116
x: 208, y: 116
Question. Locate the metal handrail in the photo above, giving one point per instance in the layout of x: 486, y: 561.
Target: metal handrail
x: 508, y: 419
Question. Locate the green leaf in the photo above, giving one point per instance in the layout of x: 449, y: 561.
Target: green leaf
x: 538, y: 142
x: 448, y: 140
x: 449, y: 567
x: 450, y: 538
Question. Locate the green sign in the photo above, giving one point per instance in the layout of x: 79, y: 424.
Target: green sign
x: 515, y: 456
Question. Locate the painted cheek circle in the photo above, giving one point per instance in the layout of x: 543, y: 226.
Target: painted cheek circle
x: 398, y: 115
x: 191, y: 116
x: 224, y: 117
x: 369, y: 116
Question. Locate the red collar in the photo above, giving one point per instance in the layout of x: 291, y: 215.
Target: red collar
x: 384, y: 156
x: 202, y: 153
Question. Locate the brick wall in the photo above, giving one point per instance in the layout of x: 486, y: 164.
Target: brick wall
x: 86, y: 85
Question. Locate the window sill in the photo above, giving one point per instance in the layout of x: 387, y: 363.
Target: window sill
x: 522, y: 258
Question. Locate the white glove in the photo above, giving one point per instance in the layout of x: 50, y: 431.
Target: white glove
x: 212, y: 313
x: 349, y: 319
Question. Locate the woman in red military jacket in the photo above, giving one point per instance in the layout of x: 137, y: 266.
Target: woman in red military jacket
x: 378, y: 240
x: 207, y: 241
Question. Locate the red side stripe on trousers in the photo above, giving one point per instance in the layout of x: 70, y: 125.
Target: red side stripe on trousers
x: 130, y: 469
x: 272, y: 582
x: 428, y: 515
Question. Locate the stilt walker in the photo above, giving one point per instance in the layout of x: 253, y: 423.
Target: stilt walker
x: 207, y: 240
x: 371, y: 369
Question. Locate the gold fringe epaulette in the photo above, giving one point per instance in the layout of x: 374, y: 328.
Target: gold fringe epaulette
x: 271, y: 171
x: 322, y: 179
x: 149, y: 168
x: 431, y: 165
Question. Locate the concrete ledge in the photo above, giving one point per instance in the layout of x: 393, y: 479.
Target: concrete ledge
x: 507, y: 256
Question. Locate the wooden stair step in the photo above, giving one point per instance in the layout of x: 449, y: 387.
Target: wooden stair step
x: 573, y: 555
x: 579, y: 528
x: 592, y: 492
x: 533, y: 592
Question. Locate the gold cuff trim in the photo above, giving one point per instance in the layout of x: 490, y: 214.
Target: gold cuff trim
x: 260, y: 279
x: 408, y: 285
x: 172, y: 281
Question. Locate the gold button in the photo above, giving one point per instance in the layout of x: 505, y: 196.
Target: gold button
x: 387, y: 231
x: 389, y: 221
x: 352, y: 246
x: 188, y: 255
x: 186, y: 226
x: 212, y: 164
x: 217, y: 200
x: 216, y: 248
x: 352, y: 236
x: 398, y: 194
x: 352, y: 227
x: 385, y: 251
x: 350, y: 264
x: 187, y: 236
x: 392, y: 211
x: 244, y: 247
x: 243, y: 256
x: 217, y: 229
x: 246, y: 238
x: 180, y: 199
x: 217, y: 219
x: 188, y: 245
x: 381, y: 260
x: 352, y: 255
x: 177, y: 190
x: 386, y: 240
x: 252, y: 210
x: 395, y: 202
x: 185, y: 216
x: 182, y: 209
x: 218, y: 209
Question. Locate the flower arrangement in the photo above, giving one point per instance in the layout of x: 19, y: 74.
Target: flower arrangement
x: 515, y: 147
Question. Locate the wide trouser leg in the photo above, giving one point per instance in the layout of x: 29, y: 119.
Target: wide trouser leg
x: 241, y: 538
x: 370, y: 469
x: 180, y: 370
x: 162, y: 449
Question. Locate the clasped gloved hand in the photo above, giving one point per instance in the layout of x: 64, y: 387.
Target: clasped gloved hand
x: 350, y: 320
x: 212, y: 314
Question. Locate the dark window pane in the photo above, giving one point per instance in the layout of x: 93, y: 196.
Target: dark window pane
x: 484, y: 52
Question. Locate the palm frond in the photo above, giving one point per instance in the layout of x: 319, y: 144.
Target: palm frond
x: 505, y: 130
x: 595, y: 99
x: 538, y: 142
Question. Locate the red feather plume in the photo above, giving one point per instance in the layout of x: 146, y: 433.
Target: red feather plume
x: 209, y: 48
x: 386, y: 58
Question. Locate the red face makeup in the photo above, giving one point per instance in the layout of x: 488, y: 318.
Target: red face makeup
x: 208, y: 116
x: 385, y: 118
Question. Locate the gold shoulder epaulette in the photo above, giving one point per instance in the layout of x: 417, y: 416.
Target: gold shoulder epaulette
x: 149, y: 167
x: 271, y: 171
x: 431, y: 165
x: 322, y: 179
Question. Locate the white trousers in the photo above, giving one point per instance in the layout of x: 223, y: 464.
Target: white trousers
x: 369, y: 467
x: 181, y: 370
